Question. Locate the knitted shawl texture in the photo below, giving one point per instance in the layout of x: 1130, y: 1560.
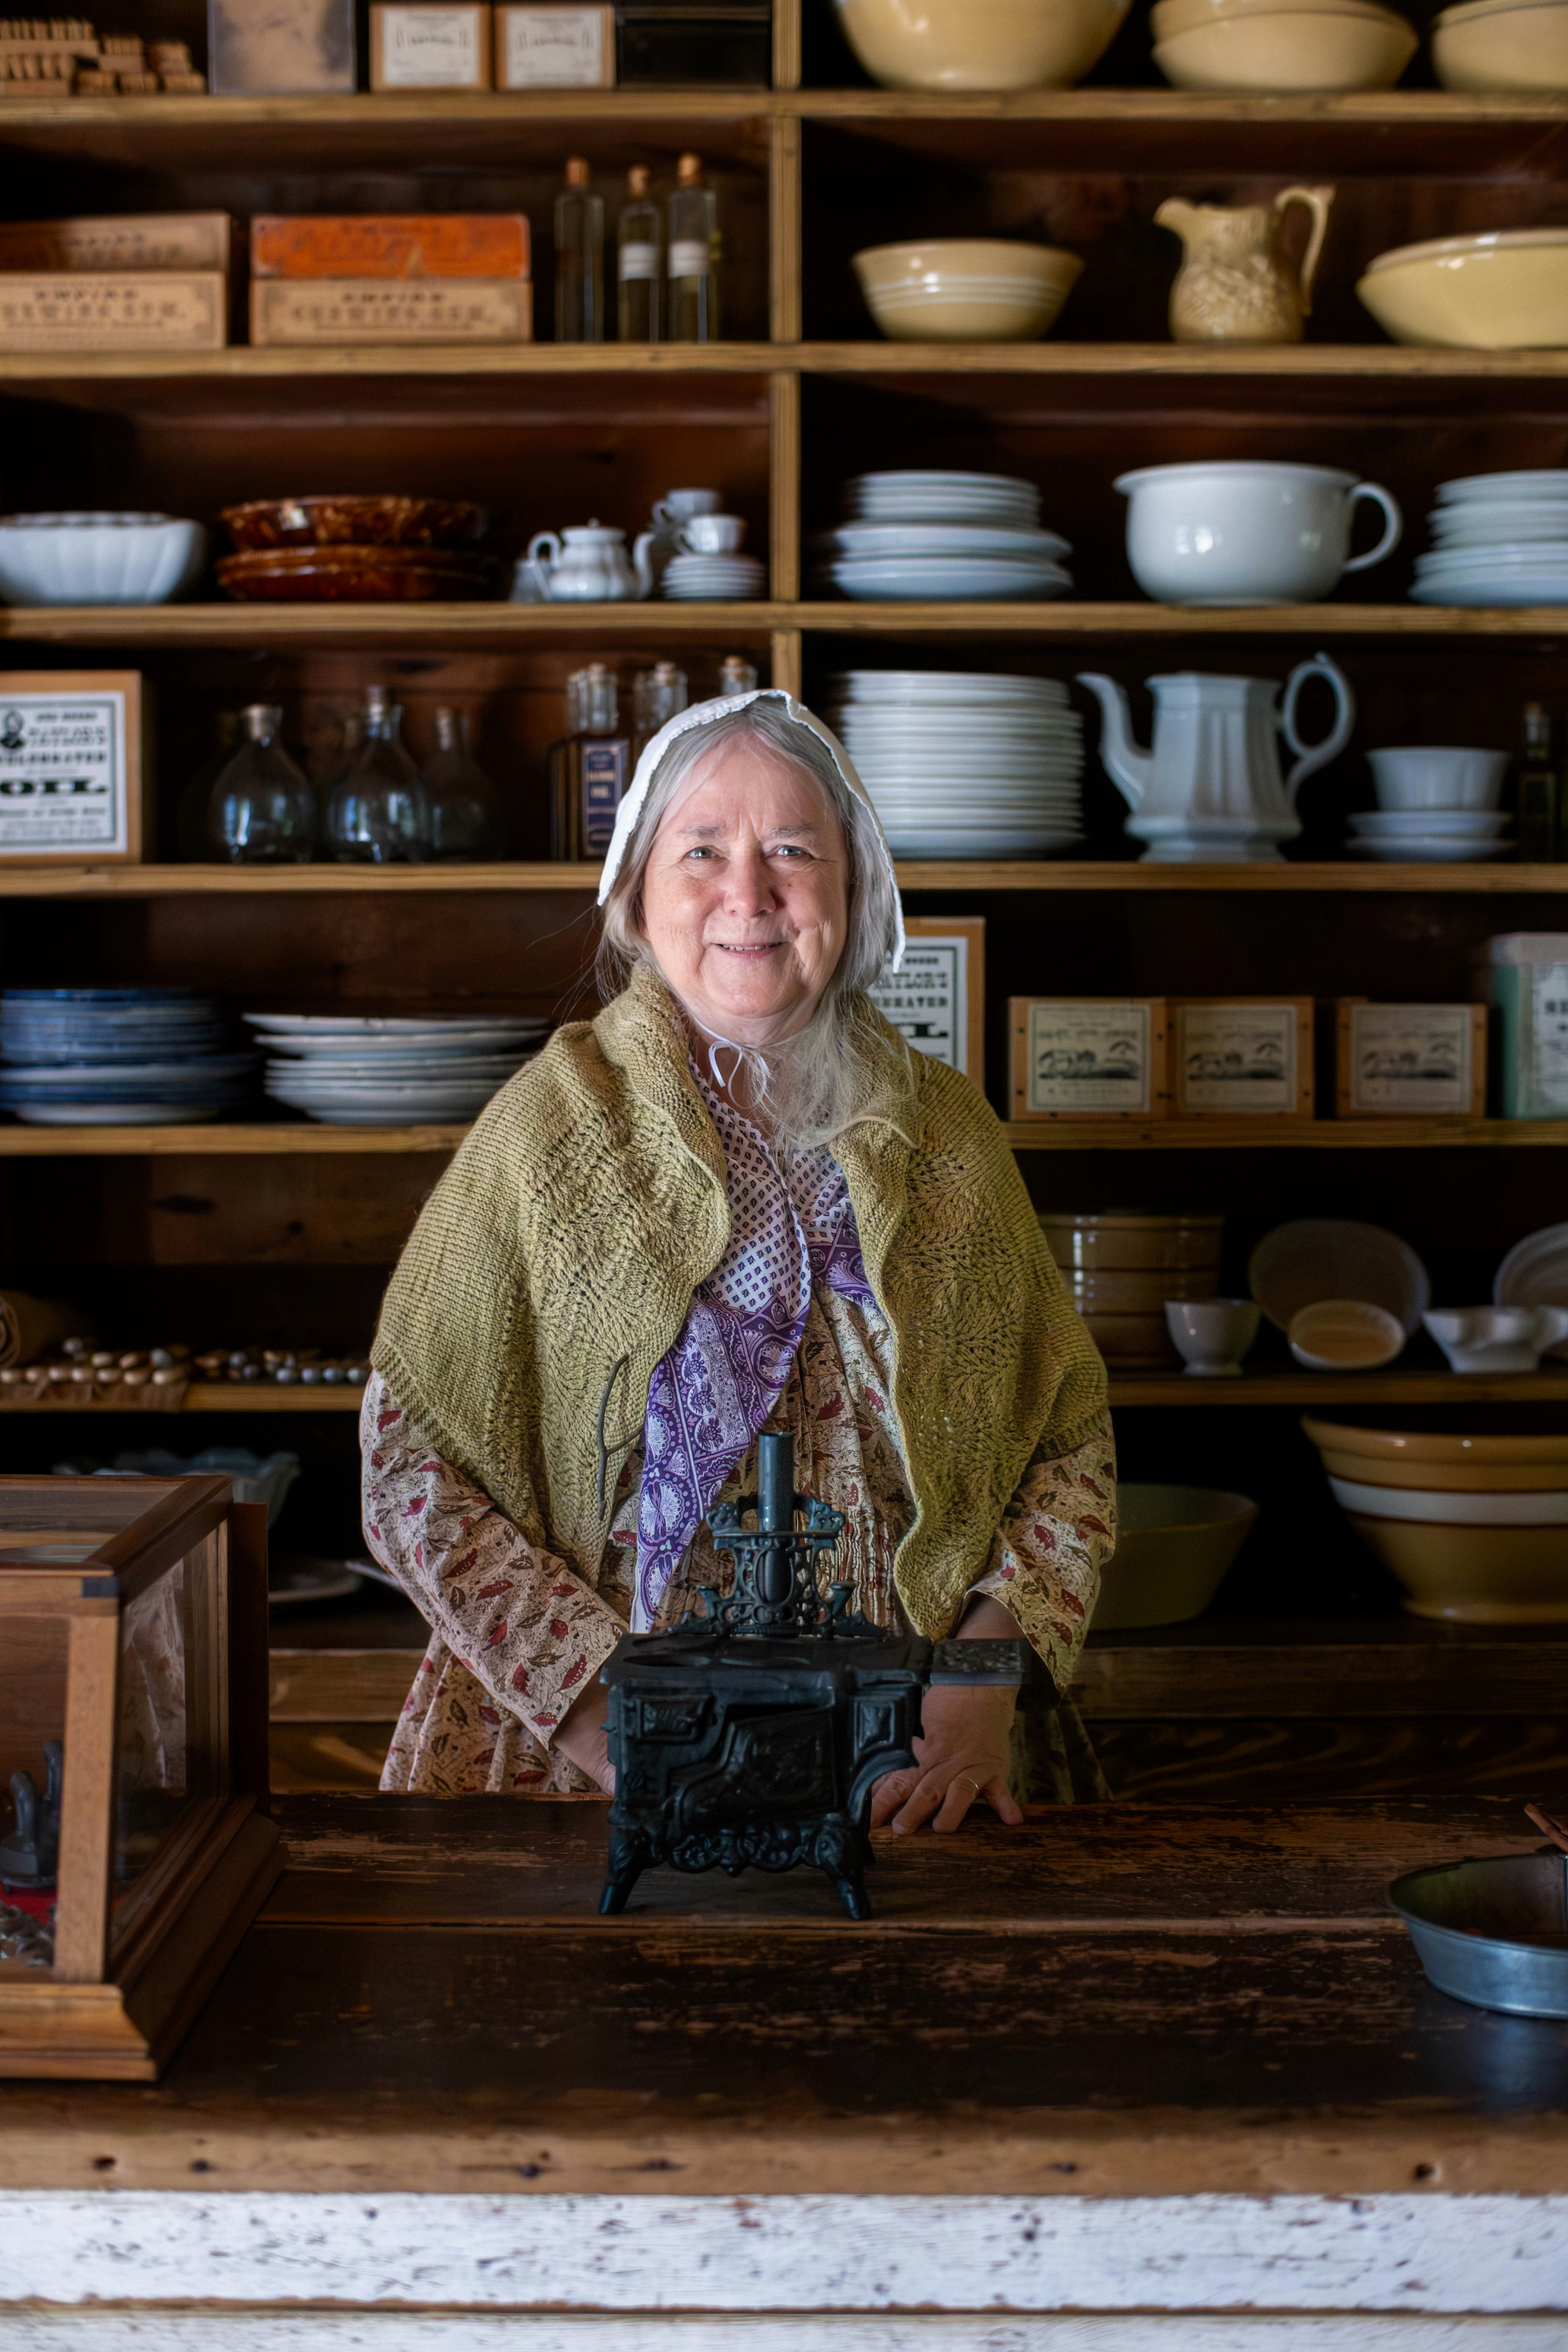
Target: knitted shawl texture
x: 589, y: 1201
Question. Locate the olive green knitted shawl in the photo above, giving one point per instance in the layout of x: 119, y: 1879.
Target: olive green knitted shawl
x: 568, y: 1234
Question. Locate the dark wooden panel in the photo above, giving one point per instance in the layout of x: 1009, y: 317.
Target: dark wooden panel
x: 1511, y: 1678
x: 1304, y: 1762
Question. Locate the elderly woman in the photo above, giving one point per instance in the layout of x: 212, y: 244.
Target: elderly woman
x: 735, y: 1201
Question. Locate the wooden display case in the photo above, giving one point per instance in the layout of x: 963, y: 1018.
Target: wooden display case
x: 132, y: 1629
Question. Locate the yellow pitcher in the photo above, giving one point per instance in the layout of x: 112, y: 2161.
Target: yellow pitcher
x: 1237, y: 284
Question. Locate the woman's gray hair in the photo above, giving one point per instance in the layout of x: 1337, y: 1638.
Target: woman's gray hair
x: 833, y: 1073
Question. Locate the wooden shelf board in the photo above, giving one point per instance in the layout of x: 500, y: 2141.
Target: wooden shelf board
x: 1283, y: 1135
x: 245, y: 362
x: 287, y: 881
x: 1173, y: 362
x: 217, y: 1141
x: 1130, y: 874
x: 1069, y: 620
x: 1309, y: 1388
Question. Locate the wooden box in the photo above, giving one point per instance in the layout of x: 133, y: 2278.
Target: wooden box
x: 938, y: 1000
x: 1241, y: 1057
x: 1089, y: 1058
x: 1525, y: 975
x: 556, y: 48
x: 290, y: 48
x: 117, y: 242
x: 132, y: 1631
x: 120, y: 310
x: 72, y: 766
x: 328, y: 310
x: 1409, y: 1061
x: 433, y: 47
x: 389, y: 245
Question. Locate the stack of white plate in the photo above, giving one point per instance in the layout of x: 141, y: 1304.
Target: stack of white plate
x: 961, y: 765
x: 1501, y: 539
x: 714, y: 579
x: 1431, y: 836
x: 353, y: 1071
x: 118, y: 1057
x: 937, y: 536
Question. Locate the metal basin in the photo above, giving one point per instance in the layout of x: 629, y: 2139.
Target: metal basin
x: 1492, y: 1933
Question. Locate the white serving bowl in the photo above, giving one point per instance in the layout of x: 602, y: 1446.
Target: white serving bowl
x: 953, y: 45
x: 1344, y: 1335
x: 98, y: 559
x: 1485, y: 45
x: 965, y: 289
x: 1496, y: 1339
x: 1504, y: 291
x: 1438, y: 776
x: 1306, y: 51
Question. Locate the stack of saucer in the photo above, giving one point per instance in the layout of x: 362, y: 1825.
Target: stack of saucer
x: 714, y: 579
x: 116, y: 1057
x: 939, y: 536
x: 966, y: 766
x: 1501, y: 539
x: 355, y: 1071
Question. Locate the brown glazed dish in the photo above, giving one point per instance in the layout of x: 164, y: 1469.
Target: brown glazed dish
x: 355, y: 575
x: 353, y: 522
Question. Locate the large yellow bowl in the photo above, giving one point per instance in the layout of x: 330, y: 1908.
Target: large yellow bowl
x: 1168, y: 18
x: 965, y: 289
x: 1474, y: 1576
x: 1289, y: 53
x: 1485, y: 47
x: 1173, y: 1545
x: 1500, y: 292
x: 1437, y: 1447
x: 980, y: 44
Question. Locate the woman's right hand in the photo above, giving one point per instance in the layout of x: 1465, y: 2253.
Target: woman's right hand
x: 583, y: 1737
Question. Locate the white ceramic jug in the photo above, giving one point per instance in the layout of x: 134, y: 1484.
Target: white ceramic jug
x: 1210, y: 788
x: 588, y: 566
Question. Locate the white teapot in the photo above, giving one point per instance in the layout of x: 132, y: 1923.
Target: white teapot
x: 1210, y: 788
x: 588, y: 566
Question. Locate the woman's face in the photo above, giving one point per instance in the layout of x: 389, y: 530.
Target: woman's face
x: 745, y: 899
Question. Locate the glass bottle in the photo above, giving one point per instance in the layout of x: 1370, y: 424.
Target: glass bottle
x: 737, y: 675
x: 657, y: 694
x: 590, y: 768
x: 378, y: 813
x: 1536, y: 790
x: 262, y: 810
x: 465, y: 814
x: 191, y: 816
x: 692, y: 258
x: 639, y: 262
x: 579, y: 257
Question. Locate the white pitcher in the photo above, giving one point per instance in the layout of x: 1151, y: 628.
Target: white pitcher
x: 588, y: 566
x: 1210, y: 788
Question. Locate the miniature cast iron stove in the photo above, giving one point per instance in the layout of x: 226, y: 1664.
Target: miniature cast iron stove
x: 752, y: 1736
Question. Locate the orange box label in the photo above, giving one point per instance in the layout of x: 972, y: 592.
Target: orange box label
x: 389, y: 245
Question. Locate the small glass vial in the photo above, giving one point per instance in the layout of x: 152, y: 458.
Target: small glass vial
x: 1536, y: 790
x: 657, y: 694
x: 579, y: 257
x: 737, y: 675
x: 262, y: 810
x: 591, y: 768
x: 639, y: 262
x: 378, y: 813
x: 191, y: 816
x: 692, y: 258
x: 465, y: 814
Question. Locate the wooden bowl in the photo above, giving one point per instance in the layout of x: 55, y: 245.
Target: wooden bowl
x: 355, y: 575
x: 353, y: 522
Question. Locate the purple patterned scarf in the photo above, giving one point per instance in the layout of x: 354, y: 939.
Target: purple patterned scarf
x: 714, y: 1391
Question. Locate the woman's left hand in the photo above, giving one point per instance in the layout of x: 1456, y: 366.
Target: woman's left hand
x: 963, y: 1755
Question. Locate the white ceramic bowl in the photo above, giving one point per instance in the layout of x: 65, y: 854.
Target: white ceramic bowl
x: 98, y: 559
x: 1247, y: 532
x: 1496, y: 1339
x: 953, y: 45
x: 1311, y: 1258
x: 1484, y: 46
x: 1306, y: 51
x: 1344, y: 1335
x: 1212, y: 1335
x: 1437, y: 776
x: 1173, y: 1545
x: 1444, y: 1509
x: 1505, y: 290
x: 965, y: 289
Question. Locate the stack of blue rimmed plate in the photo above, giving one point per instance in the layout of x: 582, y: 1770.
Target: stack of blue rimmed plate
x: 116, y: 1057
x: 361, y: 1070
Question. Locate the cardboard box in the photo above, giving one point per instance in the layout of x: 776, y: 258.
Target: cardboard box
x: 554, y: 48
x: 433, y: 47
x: 389, y: 245
x: 1527, y: 981
x: 117, y: 242
x: 371, y: 310
x: 1409, y: 1061
x: 1241, y: 1057
x: 1089, y: 1058
x: 72, y: 767
x: 938, y: 1000
x: 130, y: 311
x: 290, y: 48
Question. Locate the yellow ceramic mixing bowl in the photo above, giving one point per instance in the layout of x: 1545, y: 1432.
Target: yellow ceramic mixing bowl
x: 980, y: 44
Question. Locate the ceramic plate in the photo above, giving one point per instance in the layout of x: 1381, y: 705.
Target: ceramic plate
x: 1547, y: 479
x: 1475, y: 592
x: 1429, y: 849
x: 130, y: 1114
x: 336, y: 1024
x: 932, y: 841
x: 971, y: 581
x: 1535, y: 1274
x: 1314, y: 1258
x: 855, y: 539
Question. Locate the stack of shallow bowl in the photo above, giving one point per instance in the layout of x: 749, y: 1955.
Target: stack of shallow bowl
x: 1475, y: 1528
x: 966, y: 766
x: 365, y: 551
x: 968, y: 289
x: 116, y: 1057
x: 355, y: 1070
x: 1501, y: 539
x: 935, y: 537
x: 1502, y: 45
x: 1280, y: 46
x: 1120, y: 1266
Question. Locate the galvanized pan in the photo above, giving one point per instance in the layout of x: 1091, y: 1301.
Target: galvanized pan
x: 1492, y: 1933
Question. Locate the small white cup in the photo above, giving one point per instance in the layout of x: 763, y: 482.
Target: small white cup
x: 713, y: 534
x: 1437, y: 776
x: 1212, y: 1333
x: 676, y: 505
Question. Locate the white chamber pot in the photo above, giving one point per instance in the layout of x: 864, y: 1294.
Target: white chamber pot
x: 1437, y: 776
x: 1248, y: 531
x: 1496, y: 1339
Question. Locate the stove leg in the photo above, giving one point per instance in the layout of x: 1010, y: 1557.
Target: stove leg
x: 626, y: 1866
x: 843, y: 1851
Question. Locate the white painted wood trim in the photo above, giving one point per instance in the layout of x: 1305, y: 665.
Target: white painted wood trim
x: 1429, y: 2252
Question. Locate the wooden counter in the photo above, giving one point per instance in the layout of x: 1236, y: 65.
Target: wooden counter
x: 1211, y: 2010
